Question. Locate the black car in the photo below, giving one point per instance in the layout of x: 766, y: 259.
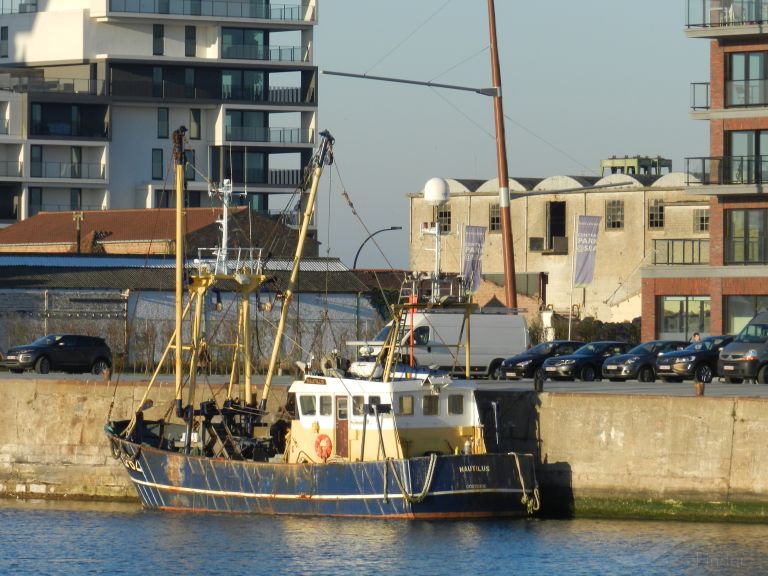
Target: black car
x: 65, y: 352
x: 585, y: 363
x: 525, y: 364
x: 640, y: 362
x: 696, y: 362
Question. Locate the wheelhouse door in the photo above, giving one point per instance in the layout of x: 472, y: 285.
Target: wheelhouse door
x: 342, y: 426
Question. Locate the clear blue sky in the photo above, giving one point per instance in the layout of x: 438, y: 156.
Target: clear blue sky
x: 582, y: 80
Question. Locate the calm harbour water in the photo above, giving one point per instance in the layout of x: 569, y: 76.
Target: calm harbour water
x: 54, y: 538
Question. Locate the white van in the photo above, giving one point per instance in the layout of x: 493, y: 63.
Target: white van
x: 438, y: 340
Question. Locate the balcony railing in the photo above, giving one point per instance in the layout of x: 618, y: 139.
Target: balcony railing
x: 35, y: 208
x: 60, y: 85
x: 271, y: 53
x: 715, y: 13
x: 10, y: 169
x: 700, y: 96
x: 17, y: 6
x: 216, y: 9
x: 163, y: 90
x: 680, y: 251
x: 290, y: 217
x: 85, y: 170
x: 727, y: 170
x: 272, y: 135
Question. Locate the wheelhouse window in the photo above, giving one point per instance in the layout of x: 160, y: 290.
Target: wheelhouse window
x: 614, y: 214
x: 326, y: 405
x: 308, y: 405
x: 745, y: 236
x: 357, y: 405
x: 656, y: 214
x: 429, y: 405
x: 405, y: 405
x: 456, y: 404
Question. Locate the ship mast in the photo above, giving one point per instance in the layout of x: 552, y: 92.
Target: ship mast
x: 324, y: 154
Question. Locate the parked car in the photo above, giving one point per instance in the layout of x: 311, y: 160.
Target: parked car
x: 525, y: 364
x: 640, y: 362
x: 746, y: 357
x: 698, y: 361
x: 65, y: 352
x: 585, y: 363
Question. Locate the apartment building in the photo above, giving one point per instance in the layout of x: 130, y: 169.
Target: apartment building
x: 720, y: 294
x: 92, y: 90
x: 647, y: 217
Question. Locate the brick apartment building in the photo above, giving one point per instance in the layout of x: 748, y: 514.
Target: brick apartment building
x: 721, y: 294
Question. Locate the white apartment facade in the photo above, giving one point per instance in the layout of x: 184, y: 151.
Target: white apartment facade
x: 92, y: 90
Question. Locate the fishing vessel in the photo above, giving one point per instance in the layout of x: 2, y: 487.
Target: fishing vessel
x: 404, y: 442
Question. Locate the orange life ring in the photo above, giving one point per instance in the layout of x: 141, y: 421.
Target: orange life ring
x: 323, y: 446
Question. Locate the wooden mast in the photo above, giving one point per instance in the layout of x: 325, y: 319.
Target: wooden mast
x: 178, y: 159
x: 501, y: 160
x: 324, y: 154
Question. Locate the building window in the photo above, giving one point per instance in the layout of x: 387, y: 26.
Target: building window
x: 556, y: 227
x: 3, y: 41
x: 494, y: 218
x: 678, y: 317
x: 444, y: 218
x: 76, y: 162
x: 189, y: 165
x: 157, y: 81
x: 36, y: 161
x: 455, y: 404
x: 189, y: 82
x: 405, y: 405
x: 746, y: 77
x: 741, y: 309
x: 614, y: 214
x: 157, y: 164
x: 656, y: 214
x: 75, y: 199
x: 746, y: 236
x: 190, y: 41
x: 194, y: 124
x: 35, y: 200
x: 246, y: 125
x: 701, y: 219
x: 158, y: 31
x: 162, y: 122
x: 429, y: 405
x: 243, y: 85
x: 247, y: 43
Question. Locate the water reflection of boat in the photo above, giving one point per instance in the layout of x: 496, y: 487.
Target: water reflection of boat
x: 409, y: 444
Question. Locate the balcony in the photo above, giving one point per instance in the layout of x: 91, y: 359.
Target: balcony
x: 682, y: 251
x: 269, y: 135
x: 270, y: 53
x: 84, y: 171
x: 172, y: 90
x: 17, y: 6
x: 721, y: 17
x: 10, y: 169
x: 727, y: 170
x: 52, y: 85
x: 700, y: 96
x: 217, y: 9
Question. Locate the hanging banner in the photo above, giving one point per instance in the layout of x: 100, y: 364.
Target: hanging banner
x: 474, y: 239
x: 586, y: 250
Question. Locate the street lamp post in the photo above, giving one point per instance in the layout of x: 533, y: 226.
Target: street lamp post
x: 354, y: 264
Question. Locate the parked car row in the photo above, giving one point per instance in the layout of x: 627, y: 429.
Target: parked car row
x: 668, y: 360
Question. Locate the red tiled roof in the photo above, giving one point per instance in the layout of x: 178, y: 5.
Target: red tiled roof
x: 120, y: 225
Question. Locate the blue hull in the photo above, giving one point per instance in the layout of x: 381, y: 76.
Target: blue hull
x: 460, y: 486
